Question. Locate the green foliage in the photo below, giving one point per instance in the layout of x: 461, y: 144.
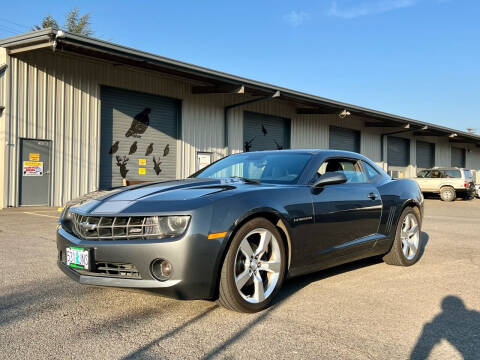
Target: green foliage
x: 74, y: 23
x: 78, y: 24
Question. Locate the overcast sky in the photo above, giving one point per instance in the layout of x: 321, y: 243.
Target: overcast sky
x: 416, y: 58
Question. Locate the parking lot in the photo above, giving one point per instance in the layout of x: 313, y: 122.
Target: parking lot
x: 363, y: 310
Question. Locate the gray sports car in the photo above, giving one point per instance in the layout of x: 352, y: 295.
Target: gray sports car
x: 236, y: 229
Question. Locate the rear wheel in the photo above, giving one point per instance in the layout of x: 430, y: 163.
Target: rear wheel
x: 405, y: 250
x: 254, y: 267
x: 447, y: 193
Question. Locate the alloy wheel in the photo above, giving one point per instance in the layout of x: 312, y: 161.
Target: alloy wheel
x: 410, y: 236
x: 258, y: 263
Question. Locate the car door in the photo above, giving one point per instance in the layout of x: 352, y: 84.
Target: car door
x: 423, y: 180
x: 343, y: 213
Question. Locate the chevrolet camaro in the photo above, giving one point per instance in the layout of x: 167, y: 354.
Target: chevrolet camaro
x: 235, y: 230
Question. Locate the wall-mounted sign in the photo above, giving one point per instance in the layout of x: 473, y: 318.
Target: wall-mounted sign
x: 34, y: 157
x: 203, y: 159
x: 33, y: 168
x: 142, y: 171
x: 142, y: 162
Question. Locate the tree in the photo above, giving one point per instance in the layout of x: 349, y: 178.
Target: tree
x: 78, y: 24
x: 73, y: 23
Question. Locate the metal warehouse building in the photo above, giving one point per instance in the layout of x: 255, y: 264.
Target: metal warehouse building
x: 80, y: 114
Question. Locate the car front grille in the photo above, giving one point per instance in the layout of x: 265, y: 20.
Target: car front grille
x: 114, y: 228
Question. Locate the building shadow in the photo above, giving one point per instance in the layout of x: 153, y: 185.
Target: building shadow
x: 455, y: 324
x: 293, y: 285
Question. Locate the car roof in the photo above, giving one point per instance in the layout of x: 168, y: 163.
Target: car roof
x: 310, y: 151
x: 446, y: 168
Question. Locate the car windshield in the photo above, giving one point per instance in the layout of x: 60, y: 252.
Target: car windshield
x: 281, y: 167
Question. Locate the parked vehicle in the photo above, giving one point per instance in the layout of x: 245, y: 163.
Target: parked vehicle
x: 476, y: 180
x: 450, y: 183
x: 237, y: 228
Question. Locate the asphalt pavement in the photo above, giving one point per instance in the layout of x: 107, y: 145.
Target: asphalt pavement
x: 364, y: 310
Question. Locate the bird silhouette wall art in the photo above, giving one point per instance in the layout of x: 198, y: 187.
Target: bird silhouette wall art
x: 139, y: 124
x: 133, y: 148
x: 264, y: 130
x: 166, y: 150
x: 149, y: 149
x: 114, y: 148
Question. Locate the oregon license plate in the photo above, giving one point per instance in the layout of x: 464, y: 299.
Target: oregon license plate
x: 77, y: 257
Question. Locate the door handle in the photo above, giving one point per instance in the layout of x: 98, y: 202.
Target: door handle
x: 372, y: 196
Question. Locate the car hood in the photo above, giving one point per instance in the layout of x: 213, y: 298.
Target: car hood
x: 169, y: 195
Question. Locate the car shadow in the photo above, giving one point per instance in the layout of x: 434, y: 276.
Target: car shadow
x: 455, y: 324
x: 291, y: 286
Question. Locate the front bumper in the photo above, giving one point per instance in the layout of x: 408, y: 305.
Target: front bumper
x: 193, y: 256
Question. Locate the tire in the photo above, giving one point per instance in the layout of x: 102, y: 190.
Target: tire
x: 249, y: 297
x: 398, y: 255
x: 447, y: 193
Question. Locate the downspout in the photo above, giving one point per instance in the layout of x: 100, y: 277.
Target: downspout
x: 227, y: 108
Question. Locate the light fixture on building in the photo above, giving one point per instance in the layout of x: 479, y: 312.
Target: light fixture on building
x: 344, y: 114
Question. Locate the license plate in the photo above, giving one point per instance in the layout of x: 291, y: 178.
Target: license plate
x: 77, y: 258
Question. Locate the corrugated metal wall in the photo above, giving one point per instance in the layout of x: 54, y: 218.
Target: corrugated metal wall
x: 56, y: 96
x: 3, y: 122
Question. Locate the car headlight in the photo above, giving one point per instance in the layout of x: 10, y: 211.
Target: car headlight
x: 166, y: 226
x: 66, y: 219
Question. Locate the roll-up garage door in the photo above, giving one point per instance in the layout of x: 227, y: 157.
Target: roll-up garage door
x: 138, y: 137
x: 425, y: 154
x: 265, y: 132
x: 458, y: 157
x: 398, y: 151
x: 344, y: 139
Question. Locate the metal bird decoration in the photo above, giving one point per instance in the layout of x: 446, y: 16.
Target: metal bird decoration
x: 166, y: 150
x: 264, y: 131
x: 133, y: 148
x: 114, y: 148
x: 139, y: 124
x: 156, y: 166
x: 122, y: 164
x: 149, y: 149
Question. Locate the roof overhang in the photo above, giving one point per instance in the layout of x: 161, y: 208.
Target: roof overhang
x: 216, y: 82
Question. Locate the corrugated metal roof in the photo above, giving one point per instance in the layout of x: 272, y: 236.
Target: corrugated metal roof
x: 97, y: 47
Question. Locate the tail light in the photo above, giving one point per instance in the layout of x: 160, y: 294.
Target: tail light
x: 465, y: 184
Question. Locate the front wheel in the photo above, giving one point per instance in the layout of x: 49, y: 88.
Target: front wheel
x: 254, y: 267
x: 405, y: 250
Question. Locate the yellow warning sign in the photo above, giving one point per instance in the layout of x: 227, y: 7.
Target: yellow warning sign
x: 32, y: 163
x: 142, y: 171
x: 142, y: 162
x: 34, y: 157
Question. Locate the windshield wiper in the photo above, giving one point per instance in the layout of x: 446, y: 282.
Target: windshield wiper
x: 248, y: 181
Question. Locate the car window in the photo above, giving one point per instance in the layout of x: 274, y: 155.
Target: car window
x: 453, y: 174
x: 437, y: 174
x: 468, y: 174
x: 350, y: 168
x: 424, y: 174
x: 370, y: 171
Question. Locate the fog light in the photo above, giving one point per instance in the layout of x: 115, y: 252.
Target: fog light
x: 161, y: 269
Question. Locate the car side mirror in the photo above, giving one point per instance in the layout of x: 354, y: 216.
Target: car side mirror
x: 330, y: 178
